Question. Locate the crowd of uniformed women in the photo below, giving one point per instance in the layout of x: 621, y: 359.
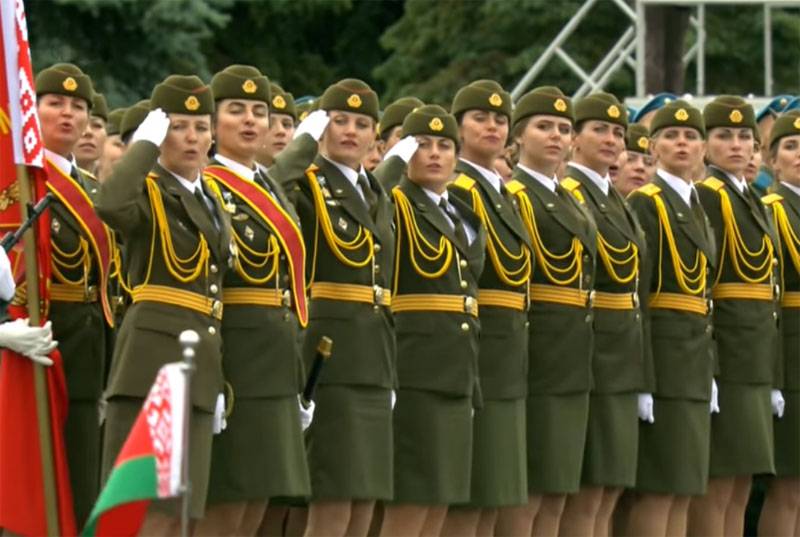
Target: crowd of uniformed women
x: 545, y: 320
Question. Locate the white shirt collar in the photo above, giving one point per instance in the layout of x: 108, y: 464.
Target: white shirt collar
x: 490, y: 175
x: 63, y: 163
x: 793, y: 188
x: 677, y: 184
x: 191, y: 186
x: 548, y: 182
x: 602, y: 182
x: 436, y: 198
x: 349, y: 173
x: 741, y: 184
x: 237, y: 167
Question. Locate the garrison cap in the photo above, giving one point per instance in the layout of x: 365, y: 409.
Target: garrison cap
x: 655, y: 103
x: 99, y: 106
x: 547, y: 100
x: 787, y: 124
x: 240, y: 82
x: 396, y: 112
x: 305, y: 105
x: 282, y: 101
x: 114, y: 121
x: 183, y: 94
x: 730, y: 111
x: 431, y: 120
x: 602, y: 107
x: 65, y: 79
x: 350, y: 95
x: 133, y: 117
x: 774, y: 107
x: 678, y: 114
x: 637, y: 138
x: 482, y: 94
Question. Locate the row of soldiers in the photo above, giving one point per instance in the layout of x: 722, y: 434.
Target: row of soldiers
x: 509, y: 354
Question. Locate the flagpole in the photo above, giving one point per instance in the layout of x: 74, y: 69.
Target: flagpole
x: 188, y: 339
x: 39, y: 377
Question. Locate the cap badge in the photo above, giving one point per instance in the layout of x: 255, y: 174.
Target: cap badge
x: 797, y: 123
x: 69, y: 84
x: 354, y: 101
x: 681, y: 114
x: 279, y: 102
x: 736, y: 116
x: 495, y: 99
x: 436, y: 124
x: 643, y: 142
x: 249, y: 86
x: 613, y: 111
x: 191, y: 103
x: 560, y: 105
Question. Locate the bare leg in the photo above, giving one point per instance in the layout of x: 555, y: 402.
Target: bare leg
x: 580, y: 512
x: 253, y: 515
x: 160, y: 525
x: 377, y: 520
x: 221, y: 519
x: 328, y: 518
x: 273, y: 522
x: 486, y: 523
x: 649, y: 515
x: 707, y: 512
x: 678, y: 514
x: 296, y: 522
x: 517, y: 520
x: 548, y: 516
x: 781, y: 507
x: 360, y: 517
x: 400, y: 520
x: 434, y: 521
x: 734, y: 516
x: 602, y: 523
x: 461, y: 523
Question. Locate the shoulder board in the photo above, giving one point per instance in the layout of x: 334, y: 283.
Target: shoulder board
x: 88, y: 174
x: 515, y: 186
x: 570, y: 184
x: 648, y: 190
x: 769, y: 199
x: 465, y: 182
x: 713, y: 183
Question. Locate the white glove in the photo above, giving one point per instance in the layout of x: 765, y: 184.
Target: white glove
x: 306, y: 413
x: 35, y: 342
x: 7, y: 285
x: 153, y: 129
x: 646, y: 407
x: 778, y: 404
x: 404, y: 149
x: 714, y: 397
x: 314, y: 125
x: 393, y: 399
x: 219, y: 415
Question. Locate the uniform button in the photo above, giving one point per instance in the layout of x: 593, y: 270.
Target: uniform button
x: 775, y: 261
x: 377, y: 268
x: 527, y: 324
x: 213, y: 268
x: 286, y: 317
x: 376, y: 248
x: 463, y: 263
x: 286, y: 277
x: 638, y: 316
x: 775, y: 315
x: 709, y: 328
x: 213, y: 288
x: 212, y: 330
x: 283, y: 257
x: 587, y: 280
x: 465, y: 327
x: 376, y: 308
x: 586, y: 259
x: 464, y: 284
x: 588, y: 318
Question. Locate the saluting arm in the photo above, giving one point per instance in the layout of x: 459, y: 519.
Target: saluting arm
x: 294, y: 159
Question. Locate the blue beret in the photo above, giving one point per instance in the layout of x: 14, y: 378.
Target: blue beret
x: 658, y: 100
x: 775, y: 107
x: 794, y: 104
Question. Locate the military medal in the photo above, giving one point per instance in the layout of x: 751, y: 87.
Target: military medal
x: 55, y: 226
x: 342, y: 223
x: 249, y: 233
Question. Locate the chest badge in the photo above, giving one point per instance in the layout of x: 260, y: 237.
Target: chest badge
x: 342, y: 223
x: 249, y: 233
x: 55, y: 225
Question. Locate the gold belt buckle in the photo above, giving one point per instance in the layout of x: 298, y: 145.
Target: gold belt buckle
x: 90, y: 293
x: 377, y: 292
x: 216, y: 309
x: 469, y: 304
x: 286, y: 298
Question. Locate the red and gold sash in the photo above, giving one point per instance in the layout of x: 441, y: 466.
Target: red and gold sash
x: 287, y: 232
x: 74, y: 198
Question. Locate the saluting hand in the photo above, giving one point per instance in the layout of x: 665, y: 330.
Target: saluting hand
x: 404, y: 149
x: 314, y: 125
x: 646, y: 407
x: 153, y: 129
x: 778, y: 403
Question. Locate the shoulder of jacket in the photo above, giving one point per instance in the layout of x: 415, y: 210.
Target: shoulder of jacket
x: 571, y: 184
x: 465, y: 182
x: 515, y: 186
x: 713, y: 183
x: 648, y: 190
x: 770, y: 199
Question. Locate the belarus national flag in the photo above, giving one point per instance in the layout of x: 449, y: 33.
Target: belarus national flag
x: 149, y: 465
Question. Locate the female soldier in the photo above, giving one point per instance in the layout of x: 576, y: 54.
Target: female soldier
x: 745, y: 320
x: 563, y: 235
x: 609, y: 462
x: 635, y: 165
x: 178, y: 246
x: 260, y: 454
x: 499, y: 475
x: 347, y: 226
x: 674, y: 439
x: 439, y: 248
x: 781, y: 514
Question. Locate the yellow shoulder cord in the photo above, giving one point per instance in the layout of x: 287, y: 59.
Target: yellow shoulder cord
x: 739, y: 254
x: 545, y: 259
x: 494, y: 246
x: 418, y: 245
x: 789, y: 238
x: 184, y: 270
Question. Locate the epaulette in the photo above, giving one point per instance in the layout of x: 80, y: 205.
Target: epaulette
x: 570, y: 184
x: 515, y: 186
x: 87, y: 173
x: 713, y: 183
x: 769, y: 199
x: 648, y: 190
x: 465, y: 182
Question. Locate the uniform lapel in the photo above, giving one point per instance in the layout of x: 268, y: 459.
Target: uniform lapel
x: 432, y: 213
x: 553, y: 204
x: 347, y: 195
x: 613, y: 211
x: 695, y: 231
x: 756, y: 209
x: 223, y: 235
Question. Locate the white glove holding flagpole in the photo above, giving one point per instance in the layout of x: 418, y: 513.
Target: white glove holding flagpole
x: 220, y: 424
x: 34, y: 342
x: 645, y: 402
x: 778, y: 403
x: 153, y: 129
x: 714, y: 405
x: 314, y: 125
x: 404, y: 149
x: 306, y: 413
x: 7, y: 285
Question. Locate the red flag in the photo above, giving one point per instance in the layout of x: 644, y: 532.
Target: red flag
x: 22, y: 504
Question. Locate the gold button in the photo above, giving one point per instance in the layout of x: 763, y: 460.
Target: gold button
x: 286, y: 317
x: 464, y: 284
x: 376, y: 308
x: 709, y: 328
x: 213, y: 268
x: 377, y: 248
x: 775, y: 315
x: 586, y: 259
x: 775, y: 261
x: 527, y: 324
x: 376, y: 269
x: 637, y: 316
x: 463, y: 263
x: 286, y: 277
x: 212, y: 330
x: 588, y: 318
x: 465, y: 327
x: 213, y: 288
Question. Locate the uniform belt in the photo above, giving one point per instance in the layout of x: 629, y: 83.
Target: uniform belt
x: 680, y: 302
x: 748, y: 291
x: 568, y: 296
x: 256, y: 296
x: 791, y: 299
x: 616, y: 301
x: 178, y: 297
x: 73, y: 293
x: 352, y: 293
x: 503, y: 299
x: 433, y: 302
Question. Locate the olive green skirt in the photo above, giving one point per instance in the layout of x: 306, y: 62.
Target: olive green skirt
x: 499, y: 454
x: 612, y: 441
x: 674, y: 450
x: 350, y: 444
x: 741, y: 433
x: 260, y: 454
x: 556, y: 439
x: 787, y: 437
x: 84, y: 441
x: 121, y: 413
x: 432, y: 448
